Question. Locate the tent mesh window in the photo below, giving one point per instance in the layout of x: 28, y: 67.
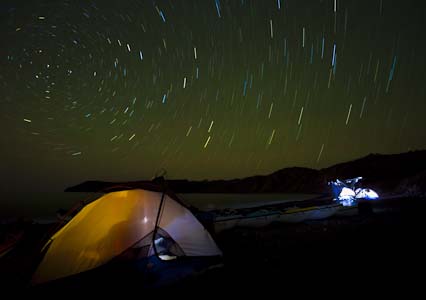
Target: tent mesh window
x: 165, y: 245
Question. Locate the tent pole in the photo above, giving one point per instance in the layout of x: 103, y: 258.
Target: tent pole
x: 157, y: 220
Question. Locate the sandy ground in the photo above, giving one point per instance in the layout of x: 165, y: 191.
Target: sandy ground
x: 366, y: 251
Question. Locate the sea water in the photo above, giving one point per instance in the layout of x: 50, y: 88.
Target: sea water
x: 222, y: 201
x: 43, y: 206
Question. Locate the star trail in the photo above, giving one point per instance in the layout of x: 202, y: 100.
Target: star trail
x: 206, y: 89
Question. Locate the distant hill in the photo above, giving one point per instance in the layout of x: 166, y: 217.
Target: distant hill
x: 393, y: 173
x: 387, y: 174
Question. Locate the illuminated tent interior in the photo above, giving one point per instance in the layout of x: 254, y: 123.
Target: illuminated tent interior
x: 123, y: 224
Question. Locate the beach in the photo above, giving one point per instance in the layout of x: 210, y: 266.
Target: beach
x: 361, y: 248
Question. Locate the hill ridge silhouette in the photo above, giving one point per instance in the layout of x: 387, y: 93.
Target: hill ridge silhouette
x: 386, y: 173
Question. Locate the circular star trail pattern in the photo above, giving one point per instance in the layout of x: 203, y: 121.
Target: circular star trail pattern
x: 119, y: 90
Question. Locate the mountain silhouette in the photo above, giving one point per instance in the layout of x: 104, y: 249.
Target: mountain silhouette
x: 386, y: 173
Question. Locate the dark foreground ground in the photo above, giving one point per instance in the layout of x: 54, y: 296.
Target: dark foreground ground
x: 369, y: 251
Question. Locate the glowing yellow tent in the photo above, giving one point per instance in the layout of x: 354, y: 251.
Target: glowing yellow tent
x: 124, y: 223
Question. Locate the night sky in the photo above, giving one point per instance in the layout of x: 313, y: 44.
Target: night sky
x: 205, y: 89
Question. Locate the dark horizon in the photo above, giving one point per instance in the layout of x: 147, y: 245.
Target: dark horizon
x: 27, y: 202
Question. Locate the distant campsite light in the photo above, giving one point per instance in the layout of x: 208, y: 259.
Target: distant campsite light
x: 345, y: 192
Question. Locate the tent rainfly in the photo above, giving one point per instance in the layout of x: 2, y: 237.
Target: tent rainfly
x: 124, y: 222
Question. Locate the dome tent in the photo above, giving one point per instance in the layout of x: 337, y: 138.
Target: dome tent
x: 135, y: 224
